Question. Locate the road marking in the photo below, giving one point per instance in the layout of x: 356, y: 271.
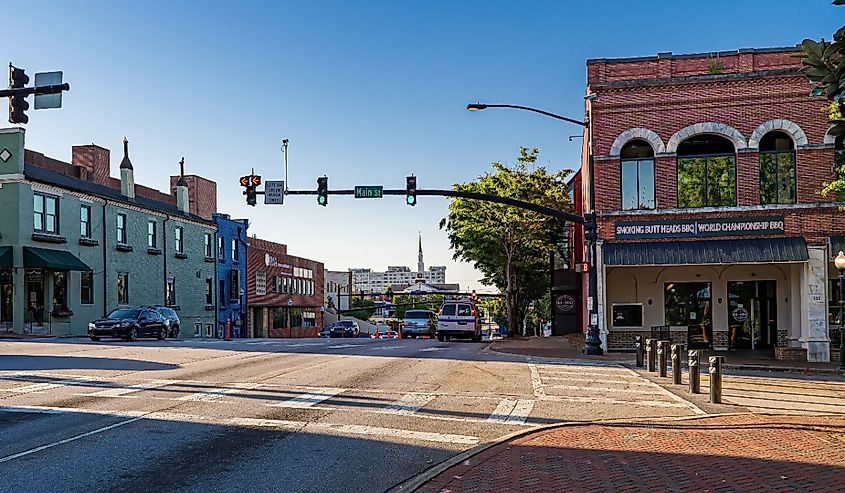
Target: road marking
x: 661, y: 390
x: 536, y: 383
x: 512, y: 411
x: 39, y: 388
x: 593, y: 388
x: 304, y: 344
x: 216, y: 393
x: 71, y: 439
x: 131, y: 389
x: 430, y: 349
x: 308, y: 399
x: 343, y: 346
x: 409, y: 403
x: 387, y: 348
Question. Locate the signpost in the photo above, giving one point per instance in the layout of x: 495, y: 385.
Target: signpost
x: 47, y: 101
x: 274, y: 192
x: 368, y: 191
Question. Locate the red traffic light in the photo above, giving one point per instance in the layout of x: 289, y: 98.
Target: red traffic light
x: 244, y: 181
x: 254, y: 180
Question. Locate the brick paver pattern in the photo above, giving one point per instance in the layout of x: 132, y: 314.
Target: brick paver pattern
x: 746, y: 453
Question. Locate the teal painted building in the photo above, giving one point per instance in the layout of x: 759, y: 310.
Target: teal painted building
x: 76, y: 243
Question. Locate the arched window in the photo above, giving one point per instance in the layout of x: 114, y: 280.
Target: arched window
x: 777, y: 169
x: 706, y: 172
x: 637, y: 175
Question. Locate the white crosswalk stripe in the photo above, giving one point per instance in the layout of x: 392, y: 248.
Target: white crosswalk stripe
x: 218, y: 392
x: 409, y: 403
x: 131, y: 389
x: 308, y: 399
x: 512, y: 411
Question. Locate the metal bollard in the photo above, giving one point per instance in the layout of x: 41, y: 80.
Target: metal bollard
x: 650, y: 350
x: 676, y: 363
x: 715, y: 371
x: 661, y: 357
x: 638, y: 345
x: 693, y: 362
x: 841, y: 347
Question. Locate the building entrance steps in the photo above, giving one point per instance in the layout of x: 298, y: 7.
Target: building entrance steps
x: 745, y: 452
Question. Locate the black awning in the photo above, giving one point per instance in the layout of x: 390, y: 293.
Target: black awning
x: 5, y: 257
x: 745, y: 251
x: 43, y: 258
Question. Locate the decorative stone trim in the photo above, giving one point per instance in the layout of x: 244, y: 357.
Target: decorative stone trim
x: 794, y: 131
x: 154, y: 251
x: 89, y: 242
x: 209, y: 259
x: 707, y: 128
x: 637, y: 133
x: 48, y: 238
x: 122, y: 247
x: 181, y: 255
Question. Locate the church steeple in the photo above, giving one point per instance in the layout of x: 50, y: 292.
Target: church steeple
x: 420, y: 264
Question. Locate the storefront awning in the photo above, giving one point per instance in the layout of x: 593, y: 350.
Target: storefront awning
x: 43, y: 258
x: 5, y: 257
x: 756, y: 250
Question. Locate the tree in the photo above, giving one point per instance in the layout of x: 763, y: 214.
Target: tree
x: 362, y: 303
x: 407, y: 302
x: 510, y: 246
x: 824, y: 65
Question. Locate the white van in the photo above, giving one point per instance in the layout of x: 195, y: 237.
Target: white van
x: 458, y: 318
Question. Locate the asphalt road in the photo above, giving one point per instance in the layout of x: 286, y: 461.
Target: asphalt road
x: 328, y: 415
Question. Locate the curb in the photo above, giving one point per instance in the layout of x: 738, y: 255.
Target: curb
x: 414, y: 483
x: 778, y: 369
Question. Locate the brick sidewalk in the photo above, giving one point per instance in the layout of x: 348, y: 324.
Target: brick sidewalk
x: 746, y: 453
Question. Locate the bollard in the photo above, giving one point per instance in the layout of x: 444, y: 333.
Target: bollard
x: 638, y: 345
x: 676, y: 363
x: 841, y: 348
x: 693, y: 360
x: 715, y: 371
x: 650, y: 350
x: 661, y: 357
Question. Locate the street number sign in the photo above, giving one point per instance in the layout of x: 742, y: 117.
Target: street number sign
x: 274, y: 192
x: 368, y: 191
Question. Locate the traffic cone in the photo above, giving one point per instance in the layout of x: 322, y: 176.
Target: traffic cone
x: 375, y: 336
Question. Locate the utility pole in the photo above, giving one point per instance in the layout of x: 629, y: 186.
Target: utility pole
x: 285, y: 150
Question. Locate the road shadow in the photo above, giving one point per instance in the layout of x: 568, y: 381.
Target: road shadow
x: 45, y: 362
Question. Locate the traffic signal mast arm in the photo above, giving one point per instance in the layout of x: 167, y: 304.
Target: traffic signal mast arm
x: 26, y: 91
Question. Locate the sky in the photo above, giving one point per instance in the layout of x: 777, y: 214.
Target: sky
x: 366, y: 92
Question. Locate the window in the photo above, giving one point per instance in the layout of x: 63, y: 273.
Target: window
x: 221, y: 248
x: 222, y: 293
x: 180, y: 247
x: 777, y: 169
x: 706, y: 172
x: 839, y: 164
x: 197, y: 330
x: 170, y: 292
x: 234, y: 249
x: 209, y: 291
x: 637, y: 175
x: 86, y: 288
x: 45, y: 213
x: 687, y: 303
x: 208, y: 246
x: 627, y: 315
x: 121, y: 229
x: 122, y: 288
x: 152, y: 234
x: 85, y: 221
x: 60, y: 292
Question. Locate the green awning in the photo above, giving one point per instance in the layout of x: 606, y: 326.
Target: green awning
x: 742, y: 251
x: 5, y: 257
x: 43, y: 258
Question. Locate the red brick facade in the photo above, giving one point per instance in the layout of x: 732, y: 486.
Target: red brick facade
x: 199, y: 187
x: 272, y: 260
x: 675, y: 97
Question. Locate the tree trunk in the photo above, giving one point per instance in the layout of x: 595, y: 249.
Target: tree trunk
x: 510, y: 294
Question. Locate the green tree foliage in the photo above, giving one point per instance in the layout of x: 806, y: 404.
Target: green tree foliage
x: 496, y: 309
x: 427, y: 302
x: 510, y: 246
x: 362, y: 303
x: 824, y: 65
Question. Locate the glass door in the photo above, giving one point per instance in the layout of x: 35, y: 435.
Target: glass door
x: 752, y: 315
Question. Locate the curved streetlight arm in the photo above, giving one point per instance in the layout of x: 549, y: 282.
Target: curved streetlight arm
x: 479, y: 107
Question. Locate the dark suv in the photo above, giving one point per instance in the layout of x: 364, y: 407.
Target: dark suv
x: 130, y: 324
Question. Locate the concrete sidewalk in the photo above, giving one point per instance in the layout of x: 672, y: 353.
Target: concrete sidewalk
x: 736, y: 453
x: 571, y: 346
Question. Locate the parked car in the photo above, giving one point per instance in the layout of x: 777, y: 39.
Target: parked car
x: 419, y: 323
x: 130, y: 324
x: 345, y: 328
x: 458, y: 319
x: 173, y: 322
x: 326, y: 331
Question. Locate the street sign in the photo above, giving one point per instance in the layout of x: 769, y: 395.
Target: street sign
x: 47, y: 101
x: 274, y: 192
x: 368, y: 191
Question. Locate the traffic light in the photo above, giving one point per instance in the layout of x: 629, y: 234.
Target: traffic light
x: 590, y: 228
x: 250, y: 182
x: 17, y: 104
x: 323, y: 191
x: 411, y: 190
x: 250, y: 195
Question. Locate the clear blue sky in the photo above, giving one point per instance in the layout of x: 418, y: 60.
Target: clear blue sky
x: 367, y: 92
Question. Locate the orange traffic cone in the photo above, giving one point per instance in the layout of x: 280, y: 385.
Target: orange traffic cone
x: 375, y: 336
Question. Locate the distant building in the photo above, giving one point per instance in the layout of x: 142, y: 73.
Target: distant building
x: 367, y: 281
x: 338, y: 285
x: 232, y: 242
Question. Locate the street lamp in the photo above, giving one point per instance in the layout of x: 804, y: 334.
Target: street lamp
x: 592, y: 342
x: 839, y: 262
x: 290, y: 304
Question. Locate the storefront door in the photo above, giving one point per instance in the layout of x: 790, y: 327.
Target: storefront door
x: 752, y: 315
x: 690, y: 304
x: 35, y: 307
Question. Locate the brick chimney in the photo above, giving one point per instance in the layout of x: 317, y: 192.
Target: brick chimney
x: 183, y: 203
x: 127, y: 174
x: 93, y: 162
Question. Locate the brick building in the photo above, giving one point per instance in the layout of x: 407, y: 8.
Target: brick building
x: 710, y: 224
x: 284, y: 293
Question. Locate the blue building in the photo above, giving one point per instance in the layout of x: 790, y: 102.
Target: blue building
x: 231, y: 274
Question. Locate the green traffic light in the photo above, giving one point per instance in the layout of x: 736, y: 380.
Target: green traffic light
x: 321, y: 199
x: 411, y: 200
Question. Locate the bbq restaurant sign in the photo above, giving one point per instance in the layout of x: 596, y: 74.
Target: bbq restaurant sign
x: 698, y: 228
